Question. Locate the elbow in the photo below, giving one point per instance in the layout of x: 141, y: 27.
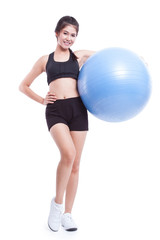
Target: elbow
x: 22, y: 88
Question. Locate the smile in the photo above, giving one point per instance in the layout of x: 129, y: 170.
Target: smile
x: 67, y: 43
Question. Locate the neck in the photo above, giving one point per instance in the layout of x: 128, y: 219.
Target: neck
x: 59, y: 49
x: 61, y: 54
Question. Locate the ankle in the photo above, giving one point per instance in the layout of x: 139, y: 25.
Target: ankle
x: 58, y: 201
x: 68, y: 211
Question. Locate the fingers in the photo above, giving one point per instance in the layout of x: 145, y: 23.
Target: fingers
x: 50, y: 98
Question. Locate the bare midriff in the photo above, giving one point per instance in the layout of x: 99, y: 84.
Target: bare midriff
x: 64, y: 88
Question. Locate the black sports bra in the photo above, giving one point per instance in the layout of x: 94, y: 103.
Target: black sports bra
x: 66, y: 69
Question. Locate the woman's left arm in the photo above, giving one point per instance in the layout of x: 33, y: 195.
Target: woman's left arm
x: 83, y: 55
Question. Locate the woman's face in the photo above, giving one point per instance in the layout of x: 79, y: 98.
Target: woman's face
x: 67, y: 36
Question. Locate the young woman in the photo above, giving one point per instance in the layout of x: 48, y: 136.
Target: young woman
x: 66, y: 116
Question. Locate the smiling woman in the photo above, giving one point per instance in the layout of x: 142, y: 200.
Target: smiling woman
x: 66, y: 37
x: 66, y: 33
x: 66, y: 115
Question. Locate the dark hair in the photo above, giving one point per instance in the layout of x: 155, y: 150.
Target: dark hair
x: 65, y: 21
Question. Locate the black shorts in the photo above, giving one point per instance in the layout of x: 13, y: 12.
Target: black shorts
x: 70, y: 111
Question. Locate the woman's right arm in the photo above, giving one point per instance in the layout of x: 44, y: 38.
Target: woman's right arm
x: 38, y: 68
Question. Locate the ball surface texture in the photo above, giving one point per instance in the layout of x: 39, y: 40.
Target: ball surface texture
x: 114, y: 84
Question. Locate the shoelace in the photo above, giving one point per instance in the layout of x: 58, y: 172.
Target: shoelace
x: 69, y: 219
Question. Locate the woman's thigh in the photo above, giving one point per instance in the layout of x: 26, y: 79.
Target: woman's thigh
x: 78, y: 138
x: 62, y: 137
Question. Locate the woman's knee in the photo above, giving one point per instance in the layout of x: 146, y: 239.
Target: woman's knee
x: 76, y: 166
x: 68, y: 156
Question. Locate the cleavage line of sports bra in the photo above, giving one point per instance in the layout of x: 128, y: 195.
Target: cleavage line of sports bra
x: 66, y: 69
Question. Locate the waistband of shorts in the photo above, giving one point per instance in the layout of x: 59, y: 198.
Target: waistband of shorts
x: 68, y: 99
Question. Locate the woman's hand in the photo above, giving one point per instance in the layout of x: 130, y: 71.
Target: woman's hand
x: 50, y: 98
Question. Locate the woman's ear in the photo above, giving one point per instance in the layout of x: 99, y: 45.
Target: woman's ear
x: 56, y: 34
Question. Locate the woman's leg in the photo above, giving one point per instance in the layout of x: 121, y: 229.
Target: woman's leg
x: 78, y: 138
x: 62, y: 136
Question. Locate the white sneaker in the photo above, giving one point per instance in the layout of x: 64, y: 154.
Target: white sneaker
x: 68, y: 222
x: 54, y: 219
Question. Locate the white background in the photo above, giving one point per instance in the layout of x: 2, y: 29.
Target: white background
x: 118, y: 195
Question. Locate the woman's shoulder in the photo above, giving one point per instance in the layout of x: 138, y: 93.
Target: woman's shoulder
x: 41, y: 62
x: 83, y: 55
x: 79, y: 53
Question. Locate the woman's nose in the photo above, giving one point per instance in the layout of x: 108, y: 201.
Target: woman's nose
x: 68, y: 37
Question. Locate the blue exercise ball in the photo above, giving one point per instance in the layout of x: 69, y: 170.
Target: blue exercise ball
x: 114, y: 84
